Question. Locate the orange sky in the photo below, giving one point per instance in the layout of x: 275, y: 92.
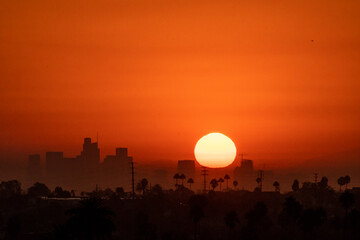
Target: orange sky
x: 155, y: 76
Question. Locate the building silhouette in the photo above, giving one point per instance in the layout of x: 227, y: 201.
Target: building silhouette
x: 34, y: 168
x: 90, y: 153
x: 245, y: 174
x: 116, y: 169
x: 81, y: 171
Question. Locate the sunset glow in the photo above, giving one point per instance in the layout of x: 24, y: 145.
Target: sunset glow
x: 215, y: 150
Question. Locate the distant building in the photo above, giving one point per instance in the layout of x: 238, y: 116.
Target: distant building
x: 53, y: 160
x: 245, y: 174
x: 34, y: 169
x: 85, y: 171
x: 54, y: 165
x: 116, y: 169
x: 246, y: 168
x: 187, y: 167
x: 91, y: 152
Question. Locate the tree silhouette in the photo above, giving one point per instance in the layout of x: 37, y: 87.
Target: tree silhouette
x: 182, y: 177
x: 258, y: 180
x: 157, y: 191
x: 347, y: 180
x: 142, y: 185
x: 221, y: 182
x: 257, y: 222
x: 235, y: 183
x: 39, y: 190
x: 347, y: 200
x: 176, y: 177
x: 90, y: 220
x: 13, y: 228
x: 291, y: 212
x: 295, y: 186
x: 10, y: 188
x: 144, y: 227
x: 312, y: 218
x: 60, y: 193
x: 120, y: 193
x: 341, y: 182
x: 196, y: 203
x: 259, y: 187
x: 190, y: 181
x: 227, y: 178
x: 277, y: 186
x: 323, y: 184
x: 214, y: 183
x: 231, y: 219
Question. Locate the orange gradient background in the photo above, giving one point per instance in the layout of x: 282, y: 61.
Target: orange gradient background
x: 155, y: 76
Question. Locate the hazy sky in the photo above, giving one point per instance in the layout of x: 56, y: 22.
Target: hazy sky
x: 155, y: 76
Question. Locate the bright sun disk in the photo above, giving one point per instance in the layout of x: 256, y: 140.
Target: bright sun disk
x: 215, y: 150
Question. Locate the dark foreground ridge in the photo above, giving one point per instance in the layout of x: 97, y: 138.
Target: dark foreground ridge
x: 313, y: 211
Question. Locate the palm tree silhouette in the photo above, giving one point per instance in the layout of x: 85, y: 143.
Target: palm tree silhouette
x: 90, y: 220
x: 258, y: 180
x: 176, y: 177
x: 231, y: 219
x: 196, y: 203
x: 221, y: 182
x: 347, y: 180
x: 235, y: 183
x: 190, y: 181
x: 214, y: 183
x: 341, y: 182
x: 182, y: 177
x: 277, y: 186
x: 347, y: 200
x: 227, y: 177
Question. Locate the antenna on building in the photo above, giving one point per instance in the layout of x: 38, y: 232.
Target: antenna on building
x: 97, y: 137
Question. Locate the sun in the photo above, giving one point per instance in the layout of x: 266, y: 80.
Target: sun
x: 215, y: 150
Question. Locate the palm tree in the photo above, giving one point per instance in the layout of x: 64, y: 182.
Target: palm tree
x: 142, y: 185
x: 176, y: 177
x: 214, y: 183
x: 90, y: 220
x: 258, y: 180
x: 221, y: 182
x: 231, y: 219
x: 227, y: 177
x: 190, y: 181
x: 324, y: 183
x: 235, y: 183
x: 196, y: 203
x: 341, y: 182
x: 347, y: 180
x: 277, y: 186
x: 182, y: 177
x: 347, y: 200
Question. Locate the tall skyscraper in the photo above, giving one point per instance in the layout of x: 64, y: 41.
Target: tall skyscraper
x: 91, y: 152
